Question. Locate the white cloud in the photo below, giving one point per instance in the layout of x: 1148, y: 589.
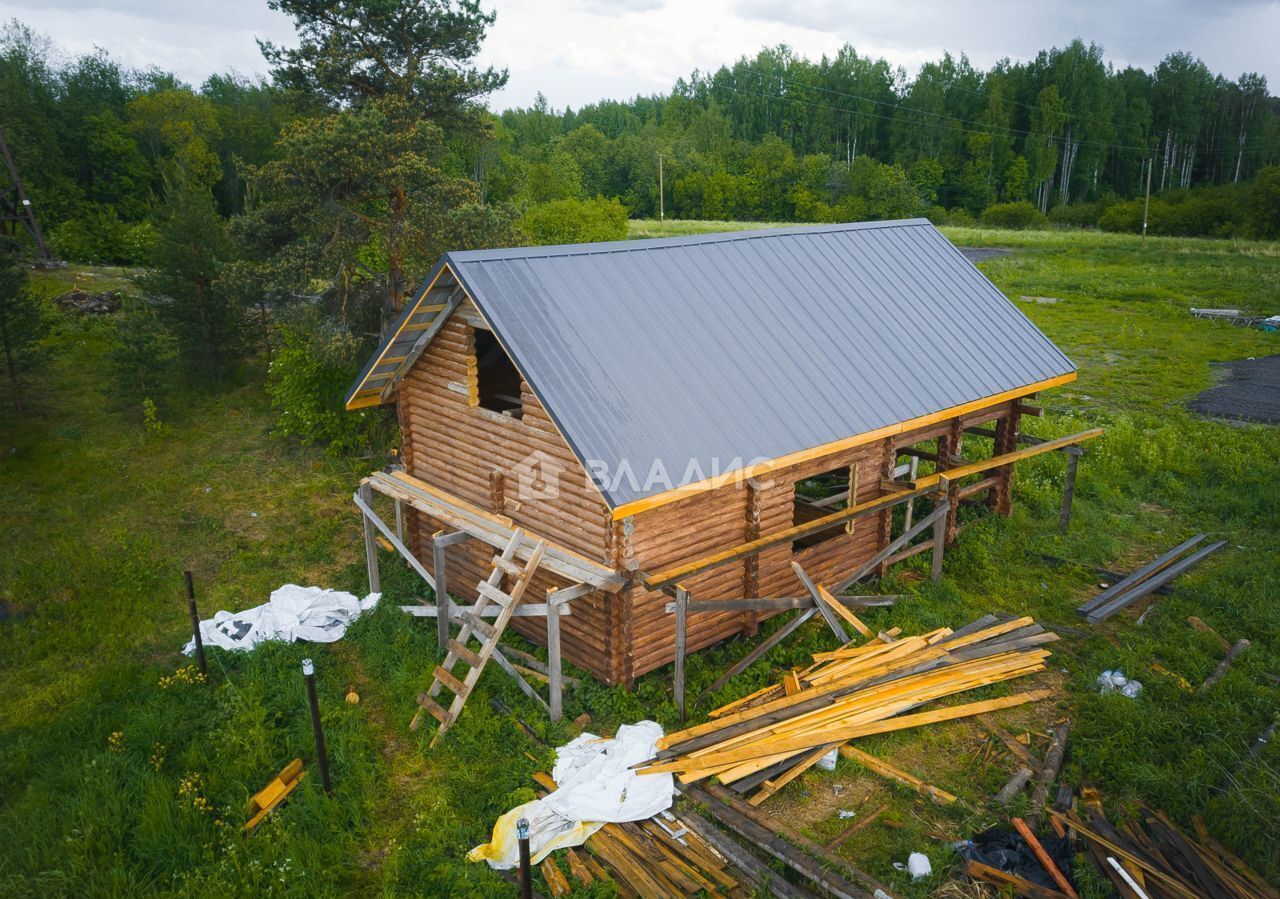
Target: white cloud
x: 579, y: 51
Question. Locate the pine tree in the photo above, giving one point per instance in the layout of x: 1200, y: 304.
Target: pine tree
x: 207, y: 323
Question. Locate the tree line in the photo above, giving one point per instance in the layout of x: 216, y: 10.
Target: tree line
x: 287, y: 218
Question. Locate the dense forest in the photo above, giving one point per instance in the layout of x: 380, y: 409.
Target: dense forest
x: 292, y: 213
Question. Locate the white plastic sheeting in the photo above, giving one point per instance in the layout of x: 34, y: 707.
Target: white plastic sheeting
x: 292, y: 613
x: 596, y: 786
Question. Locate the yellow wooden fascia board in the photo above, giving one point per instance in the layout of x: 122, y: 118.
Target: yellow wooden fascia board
x: 358, y: 402
x: 762, y: 468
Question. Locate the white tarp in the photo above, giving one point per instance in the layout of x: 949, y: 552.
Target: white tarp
x: 595, y: 786
x: 293, y: 613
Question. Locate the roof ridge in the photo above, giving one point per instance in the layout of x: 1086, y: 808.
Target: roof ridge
x: 673, y: 242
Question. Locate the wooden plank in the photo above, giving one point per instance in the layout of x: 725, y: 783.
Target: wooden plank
x: 491, y: 529
x: 1020, y: 886
x: 446, y: 677
x: 682, y: 635
x: 828, y: 615
x: 1156, y: 564
x: 370, y: 547
x: 1068, y: 492
x: 1043, y: 857
x: 886, y: 770
x: 524, y: 610
x: 780, y: 603
x: 1203, y: 628
x: 443, y: 602
x: 853, y: 620
x: 463, y: 652
x: 1003, y: 459
x: 1102, y: 612
x: 555, y: 685
x: 765, y: 880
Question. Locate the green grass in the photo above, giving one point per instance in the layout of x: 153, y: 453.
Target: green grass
x: 99, y: 520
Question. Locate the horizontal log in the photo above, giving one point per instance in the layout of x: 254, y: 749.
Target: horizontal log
x: 1007, y: 458
x: 778, y: 603
x: 524, y: 610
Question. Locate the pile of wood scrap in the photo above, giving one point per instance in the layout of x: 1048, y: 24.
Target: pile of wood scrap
x: 1149, y: 857
x: 685, y: 854
x: 1149, y: 578
x: 768, y: 738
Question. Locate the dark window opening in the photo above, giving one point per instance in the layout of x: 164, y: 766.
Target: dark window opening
x: 817, y: 496
x: 497, y: 380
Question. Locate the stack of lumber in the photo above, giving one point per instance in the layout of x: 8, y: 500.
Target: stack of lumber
x: 1148, y: 579
x: 769, y: 737
x: 1149, y: 858
x: 663, y: 856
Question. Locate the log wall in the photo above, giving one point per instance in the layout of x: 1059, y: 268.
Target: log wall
x: 458, y: 447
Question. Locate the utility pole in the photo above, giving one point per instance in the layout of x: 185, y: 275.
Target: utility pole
x: 1146, y: 206
x: 662, y: 210
x: 19, y: 211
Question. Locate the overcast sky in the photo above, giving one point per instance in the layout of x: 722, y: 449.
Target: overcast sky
x: 577, y: 51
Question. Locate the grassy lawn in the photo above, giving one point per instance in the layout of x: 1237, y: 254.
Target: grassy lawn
x: 98, y: 518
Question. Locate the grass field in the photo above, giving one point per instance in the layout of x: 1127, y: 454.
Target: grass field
x: 119, y: 781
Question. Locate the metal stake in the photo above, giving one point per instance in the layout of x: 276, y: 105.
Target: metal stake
x: 309, y: 674
x: 195, y: 622
x: 526, y: 876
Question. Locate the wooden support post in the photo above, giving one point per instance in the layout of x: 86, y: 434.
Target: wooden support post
x: 682, y: 625
x: 399, y: 520
x: 1069, y: 488
x: 439, y: 567
x: 370, y: 547
x: 1000, y: 498
x: 912, y: 468
x: 751, y: 564
x: 555, y: 685
x: 939, y: 540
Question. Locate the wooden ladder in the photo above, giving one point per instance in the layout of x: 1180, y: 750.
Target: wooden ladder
x: 484, y: 633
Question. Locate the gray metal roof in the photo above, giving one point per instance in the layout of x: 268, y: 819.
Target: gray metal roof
x: 696, y: 351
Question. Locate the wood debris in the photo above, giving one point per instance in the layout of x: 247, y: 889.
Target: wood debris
x: 1147, y: 579
x: 1164, y: 863
x: 852, y: 692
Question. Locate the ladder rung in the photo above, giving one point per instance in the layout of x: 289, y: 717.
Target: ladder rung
x: 477, y: 624
x: 511, y: 567
x: 467, y: 655
x: 434, y: 710
x: 488, y: 591
x: 444, y: 676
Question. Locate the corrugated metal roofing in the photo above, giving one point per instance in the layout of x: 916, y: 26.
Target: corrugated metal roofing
x: 693, y: 352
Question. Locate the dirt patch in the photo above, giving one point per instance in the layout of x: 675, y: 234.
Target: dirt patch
x: 1249, y: 391
x: 982, y: 254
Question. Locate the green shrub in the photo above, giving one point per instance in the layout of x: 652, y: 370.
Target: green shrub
x: 576, y: 221
x: 1262, y: 207
x: 1126, y: 217
x: 317, y: 362
x: 96, y: 234
x: 1082, y: 215
x: 1018, y: 216
x: 958, y: 217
